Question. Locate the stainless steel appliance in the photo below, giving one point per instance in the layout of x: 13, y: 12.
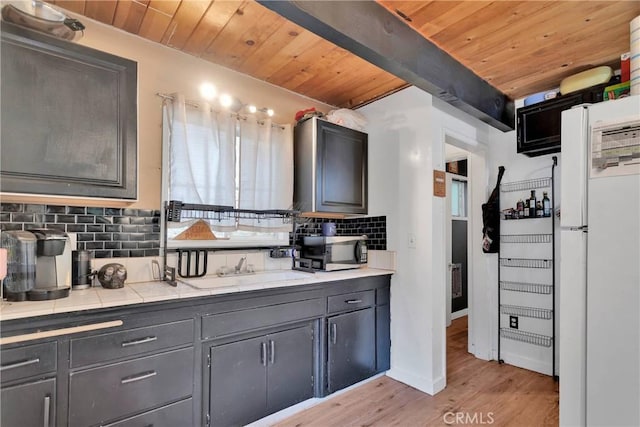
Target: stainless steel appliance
x: 21, y: 264
x: 53, y: 265
x: 330, y: 253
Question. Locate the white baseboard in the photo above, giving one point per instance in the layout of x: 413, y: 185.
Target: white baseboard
x: 526, y: 363
x: 460, y: 313
x: 413, y: 380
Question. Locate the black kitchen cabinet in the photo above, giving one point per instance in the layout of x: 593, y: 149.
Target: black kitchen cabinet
x: 268, y: 349
x: 29, y: 405
x: 69, y: 118
x: 330, y: 168
x: 351, y: 349
x: 266, y: 374
x: 383, y: 338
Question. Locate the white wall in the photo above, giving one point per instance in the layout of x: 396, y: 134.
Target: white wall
x: 518, y: 167
x: 407, y: 131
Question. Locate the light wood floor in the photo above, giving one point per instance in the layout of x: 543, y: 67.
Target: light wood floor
x: 484, y: 393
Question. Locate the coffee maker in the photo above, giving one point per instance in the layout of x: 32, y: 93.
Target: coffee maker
x: 21, y: 264
x: 53, y: 265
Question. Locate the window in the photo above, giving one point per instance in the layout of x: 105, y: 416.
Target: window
x: 222, y: 159
x: 458, y: 198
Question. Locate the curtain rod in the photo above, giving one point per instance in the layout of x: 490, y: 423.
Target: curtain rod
x: 197, y: 105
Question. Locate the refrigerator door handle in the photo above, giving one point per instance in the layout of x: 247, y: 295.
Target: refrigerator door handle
x: 583, y: 228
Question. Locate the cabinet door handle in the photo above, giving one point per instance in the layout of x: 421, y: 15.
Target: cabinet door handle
x: 47, y: 410
x: 139, y: 341
x: 19, y: 364
x: 272, y: 351
x: 334, y: 333
x: 263, y: 353
x: 142, y: 376
x: 353, y: 301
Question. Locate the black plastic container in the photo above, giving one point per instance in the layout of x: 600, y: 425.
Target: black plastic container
x: 81, y: 270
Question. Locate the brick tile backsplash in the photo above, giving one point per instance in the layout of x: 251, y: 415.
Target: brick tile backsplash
x: 123, y: 233
x: 107, y: 232
x: 374, y: 227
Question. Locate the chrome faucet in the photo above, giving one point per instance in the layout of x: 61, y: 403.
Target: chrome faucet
x: 239, y: 266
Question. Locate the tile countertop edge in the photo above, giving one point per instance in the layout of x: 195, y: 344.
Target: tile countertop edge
x: 142, y: 293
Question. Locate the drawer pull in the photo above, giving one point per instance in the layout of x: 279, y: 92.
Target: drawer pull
x: 47, y: 410
x: 353, y: 301
x: 19, y: 364
x: 140, y: 377
x: 140, y: 341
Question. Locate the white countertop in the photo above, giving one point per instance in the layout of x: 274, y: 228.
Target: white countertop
x: 137, y: 293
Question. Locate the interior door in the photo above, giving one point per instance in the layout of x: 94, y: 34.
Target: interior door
x: 352, y: 348
x: 238, y: 382
x: 290, y: 367
x: 458, y: 266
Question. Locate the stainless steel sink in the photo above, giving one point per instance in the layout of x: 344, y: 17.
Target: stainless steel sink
x: 252, y: 279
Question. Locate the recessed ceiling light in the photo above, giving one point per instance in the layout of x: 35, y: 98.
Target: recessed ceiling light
x: 252, y: 109
x: 226, y: 100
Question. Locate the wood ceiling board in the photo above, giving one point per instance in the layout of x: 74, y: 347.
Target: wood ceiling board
x: 432, y: 17
x: 211, y: 24
x: 129, y: 15
x: 245, y: 31
x: 401, y: 51
x: 365, y: 94
x: 167, y: 7
x: 101, y: 10
x: 184, y: 21
x: 244, y: 44
x: 76, y: 6
x: 154, y: 25
x: 282, y: 46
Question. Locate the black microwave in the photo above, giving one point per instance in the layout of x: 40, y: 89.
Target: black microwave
x: 538, y: 125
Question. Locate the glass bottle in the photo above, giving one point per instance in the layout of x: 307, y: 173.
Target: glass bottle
x: 532, y: 204
x: 546, y: 205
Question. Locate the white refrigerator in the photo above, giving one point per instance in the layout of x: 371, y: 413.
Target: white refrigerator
x: 599, y: 329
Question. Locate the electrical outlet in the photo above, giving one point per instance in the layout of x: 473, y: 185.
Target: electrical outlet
x: 513, y: 322
x: 280, y: 253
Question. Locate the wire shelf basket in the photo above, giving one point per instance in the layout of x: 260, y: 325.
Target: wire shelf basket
x: 533, y: 312
x: 526, y: 263
x: 525, y: 238
x: 530, y: 184
x: 531, y: 288
x: 176, y: 211
x: 526, y: 337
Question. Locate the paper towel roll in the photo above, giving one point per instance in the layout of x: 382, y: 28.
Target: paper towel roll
x: 634, y: 65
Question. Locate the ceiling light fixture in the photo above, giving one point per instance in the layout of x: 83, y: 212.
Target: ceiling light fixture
x: 208, y: 91
x: 226, y: 100
x: 252, y: 109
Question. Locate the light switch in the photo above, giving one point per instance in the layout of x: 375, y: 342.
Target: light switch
x: 412, y: 241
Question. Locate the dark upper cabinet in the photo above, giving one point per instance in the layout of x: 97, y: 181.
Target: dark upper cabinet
x: 69, y: 118
x: 330, y: 168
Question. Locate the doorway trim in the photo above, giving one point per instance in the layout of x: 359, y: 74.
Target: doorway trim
x: 479, y: 292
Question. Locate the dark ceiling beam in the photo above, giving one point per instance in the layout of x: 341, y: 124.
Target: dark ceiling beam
x: 367, y: 29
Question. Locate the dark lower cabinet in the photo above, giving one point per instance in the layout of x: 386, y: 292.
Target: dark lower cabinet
x: 252, y: 378
x: 29, y: 405
x: 352, y: 348
x: 176, y: 414
x: 383, y: 338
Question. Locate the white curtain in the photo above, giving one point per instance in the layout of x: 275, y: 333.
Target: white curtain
x: 266, y: 172
x: 202, y: 156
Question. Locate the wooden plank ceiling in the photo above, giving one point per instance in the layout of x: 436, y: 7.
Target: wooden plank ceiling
x: 518, y: 47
